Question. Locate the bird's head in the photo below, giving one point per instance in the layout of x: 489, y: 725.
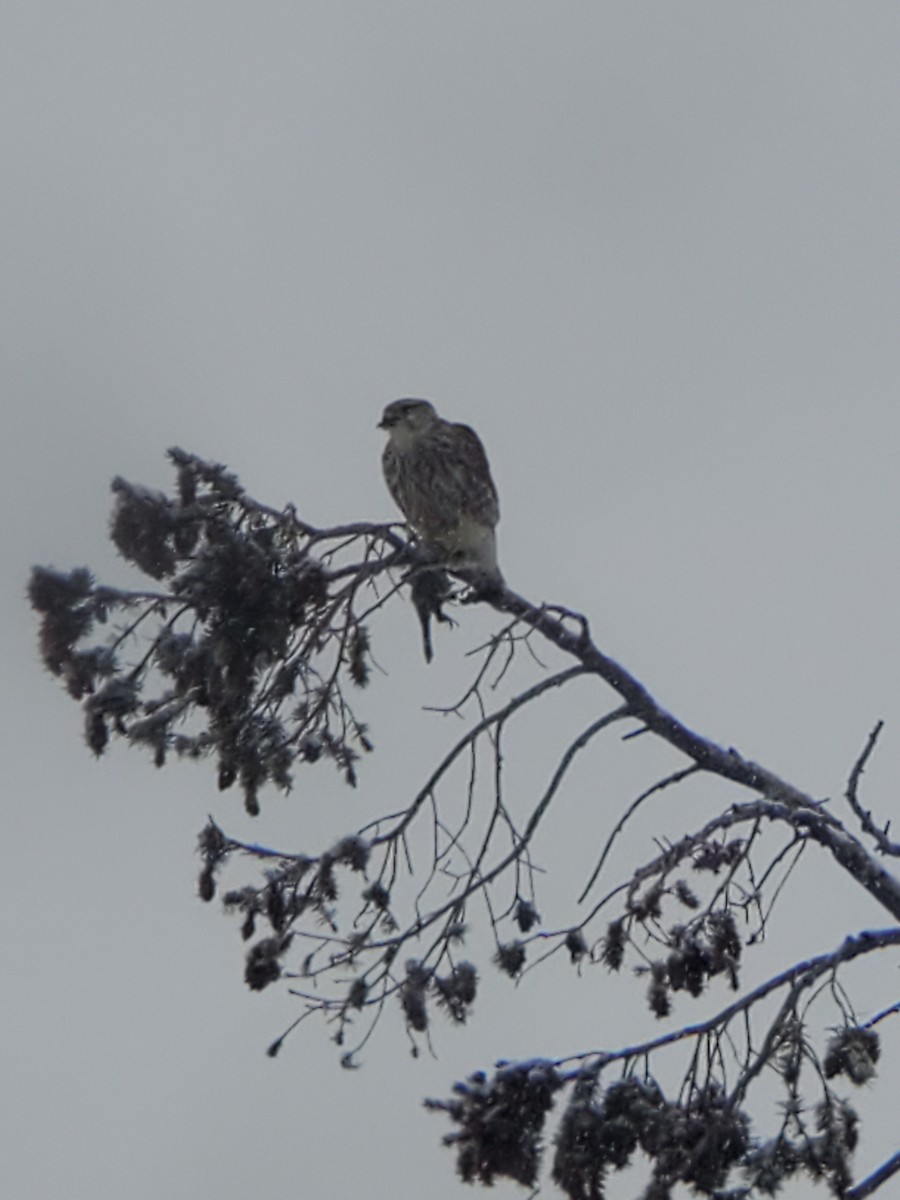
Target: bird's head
x: 408, y: 417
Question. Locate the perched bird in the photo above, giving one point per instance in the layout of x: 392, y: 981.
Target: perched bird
x: 439, y: 476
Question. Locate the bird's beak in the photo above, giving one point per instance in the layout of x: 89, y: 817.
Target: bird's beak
x: 384, y: 423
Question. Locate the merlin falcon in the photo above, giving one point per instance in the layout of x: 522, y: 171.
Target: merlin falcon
x: 438, y: 474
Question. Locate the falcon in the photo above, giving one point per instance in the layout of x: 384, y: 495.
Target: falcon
x: 438, y: 474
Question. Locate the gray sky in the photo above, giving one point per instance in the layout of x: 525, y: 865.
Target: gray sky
x: 649, y: 249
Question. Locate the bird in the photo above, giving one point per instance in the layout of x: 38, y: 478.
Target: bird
x: 438, y: 474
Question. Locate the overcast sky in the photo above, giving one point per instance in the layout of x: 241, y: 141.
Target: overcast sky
x: 650, y: 250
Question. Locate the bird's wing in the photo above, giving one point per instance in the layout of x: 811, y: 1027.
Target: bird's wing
x: 469, y: 462
x: 445, y: 476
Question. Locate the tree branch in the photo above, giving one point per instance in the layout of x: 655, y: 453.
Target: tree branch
x: 804, y: 974
x: 728, y: 764
x: 873, y: 1182
x: 880, y: 837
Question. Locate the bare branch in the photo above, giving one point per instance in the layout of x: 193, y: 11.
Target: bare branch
x: 880, y: 836
x: 870, y: 1185
x: 706, y: 754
